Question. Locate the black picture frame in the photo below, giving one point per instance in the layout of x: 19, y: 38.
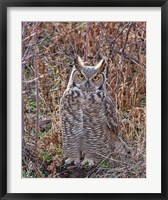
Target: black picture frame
x: 4, y: 4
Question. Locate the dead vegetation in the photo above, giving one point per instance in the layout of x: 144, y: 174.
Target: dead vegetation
x: 48, y: 51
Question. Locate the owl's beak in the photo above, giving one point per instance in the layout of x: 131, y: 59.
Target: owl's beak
x: 87, y: 84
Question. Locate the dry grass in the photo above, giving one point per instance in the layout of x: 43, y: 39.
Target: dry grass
x: 48, y: 50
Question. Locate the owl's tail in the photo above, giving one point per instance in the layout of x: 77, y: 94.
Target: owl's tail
x: 119, y: 146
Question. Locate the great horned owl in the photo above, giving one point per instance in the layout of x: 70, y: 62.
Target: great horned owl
x: 87, y: 114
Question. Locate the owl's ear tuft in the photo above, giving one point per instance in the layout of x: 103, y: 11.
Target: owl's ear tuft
x: 101, y: 66
x: 78, y: 62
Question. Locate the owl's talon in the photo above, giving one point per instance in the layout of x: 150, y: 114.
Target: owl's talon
x: 70, y: 160
x: 76, y: 161
x: 88, y: 162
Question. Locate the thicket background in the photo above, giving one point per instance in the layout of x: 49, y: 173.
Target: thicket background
x: 48, y: 52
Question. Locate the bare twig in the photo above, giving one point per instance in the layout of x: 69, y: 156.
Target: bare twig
x: 119, y: 32
x: 37, y: 91
x: 129, y: 58
x: 87, y: 40
x: 126, y: 39
x: 37, y: 102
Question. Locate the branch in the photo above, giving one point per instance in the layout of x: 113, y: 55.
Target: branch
x: 112, y: 43
x: 126, y: 39
x: 87, y: 40
x: 130, y: 58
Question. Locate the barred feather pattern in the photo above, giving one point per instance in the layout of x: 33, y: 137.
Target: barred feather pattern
x: 87, y: 124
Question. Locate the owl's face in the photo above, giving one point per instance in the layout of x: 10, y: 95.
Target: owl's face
x: 89, y: 78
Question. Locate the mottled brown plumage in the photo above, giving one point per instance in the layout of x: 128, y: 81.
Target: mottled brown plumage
x: 88, y: 114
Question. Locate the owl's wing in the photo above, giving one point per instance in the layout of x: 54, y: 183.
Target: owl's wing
x: 110, y: 110
x: 120, y: 146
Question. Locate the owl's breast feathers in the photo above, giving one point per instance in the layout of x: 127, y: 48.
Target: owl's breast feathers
x: 76, y: 99
x: 71, y: 98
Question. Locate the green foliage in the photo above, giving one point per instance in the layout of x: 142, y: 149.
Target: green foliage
x: 40, y: 133
x: 104, y: 165
x: 31, y: 105
x: 47, y: 157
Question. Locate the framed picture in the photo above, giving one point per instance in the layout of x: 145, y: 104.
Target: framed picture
x: 83, y: 99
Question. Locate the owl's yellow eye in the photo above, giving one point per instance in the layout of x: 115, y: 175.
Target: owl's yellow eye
x: 95, y: 78
x: 81, y: 76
